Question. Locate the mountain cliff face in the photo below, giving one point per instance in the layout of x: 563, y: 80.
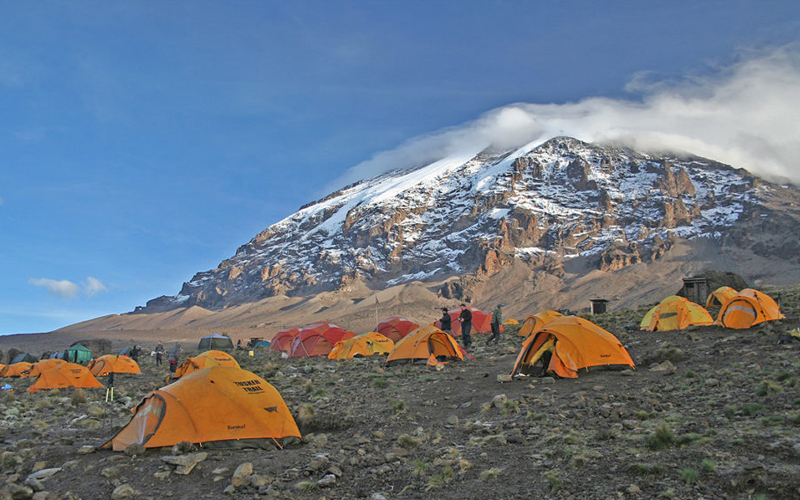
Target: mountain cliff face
x: 541, y: 205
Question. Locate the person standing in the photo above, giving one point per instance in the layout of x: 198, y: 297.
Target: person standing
x: 134, y: 353
x: 466, y: 325
x: 446, y: 322
x: 159, y: 353
x: 173, y: 357
x: 497, y: 320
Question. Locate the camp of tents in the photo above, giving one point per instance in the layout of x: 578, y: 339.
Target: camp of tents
x: 187, y: 408
x: 737, y: 310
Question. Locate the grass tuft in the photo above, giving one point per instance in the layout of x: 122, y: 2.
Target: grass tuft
x: 662, y: 438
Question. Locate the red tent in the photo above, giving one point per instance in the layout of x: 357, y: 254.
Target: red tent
x: 282, y: 340
x: 481, y: 321
x: 317, y: 339
x: 396, y: 328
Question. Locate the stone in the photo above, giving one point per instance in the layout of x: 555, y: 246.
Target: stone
x: 504, y: 377
x: 666, y: 366
x: 378, y: 496
x: 547, y: 380
x: 327, y: 480
x: 712, y: 382
x: 230, y: 489
x: 240, y: 474
x: 135, y: 450
x: 258, y: 480
x: 38, y: 466
x: 123, y: 492
x: 182, y: 448
x: 86, y: 449
x: 17, y: 491
x: 42, y: 474
x: 162, y: 474
x: 111, y: 472
x: 452, y: 420
x: 499, y: 400
x: 185, y: 463
x: 43, y: 495
x: 634, y: 490
x: 221, y: 470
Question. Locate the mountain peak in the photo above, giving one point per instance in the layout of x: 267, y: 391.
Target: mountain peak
x: 474, y: 214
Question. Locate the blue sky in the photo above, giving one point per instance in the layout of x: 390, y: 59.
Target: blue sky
x: 144, y: 141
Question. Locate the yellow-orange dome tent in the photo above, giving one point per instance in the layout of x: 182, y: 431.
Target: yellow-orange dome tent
x: 16, y: 369
x: 747, y: 309
x: 721, y: 296
x: 426, y: 343
x: 205, y: 360
x: 42, y: 365
x: 63, y: 376
x: 113, y: 363
x: 534, y: 323
x: 214, y: 404
x: 571, y: 343
x: 362, y: 345
x: 675, y: 313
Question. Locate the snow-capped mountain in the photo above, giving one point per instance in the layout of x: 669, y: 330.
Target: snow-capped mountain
x: 541, y: 204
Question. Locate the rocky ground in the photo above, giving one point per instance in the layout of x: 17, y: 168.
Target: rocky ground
x: 708, y: 413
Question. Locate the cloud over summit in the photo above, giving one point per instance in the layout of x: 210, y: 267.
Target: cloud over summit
x: 65, y: 289
x: 744, y: 114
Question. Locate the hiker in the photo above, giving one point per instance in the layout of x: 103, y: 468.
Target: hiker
x: 173, y: 357
x: 446, y: 322
x: 134, y: 353
x: 159, y: 350
x: 239, y: 345
x: 497, y: 320
x: 466, y: 325
x: 110, y: 387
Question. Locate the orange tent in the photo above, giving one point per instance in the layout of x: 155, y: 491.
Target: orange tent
x: 481, y: 321
x: 282, y: 340
x: 205, y: 360
x: 721, y: 296
x: 396, y: 328
x: 16, y: 369
x: 317, y: 339
x: 362, y: 345
x: 66, y: 375
x: 571, y: 343
x: 42, y: 365
x: 210, y: 405
x: 533, y: 324
x: 675, y: 313
x: 747, y: 309
x: 113, y: 363
x: 426, y: 343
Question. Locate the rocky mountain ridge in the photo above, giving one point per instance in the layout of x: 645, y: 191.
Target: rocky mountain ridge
x: 472, y: 215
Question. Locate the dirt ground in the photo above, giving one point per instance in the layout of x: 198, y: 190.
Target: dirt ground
x: 708, y: 413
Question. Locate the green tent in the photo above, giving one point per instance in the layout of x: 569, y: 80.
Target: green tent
x: 77, y: 353
x: 215, y: 341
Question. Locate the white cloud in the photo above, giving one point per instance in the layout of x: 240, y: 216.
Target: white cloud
x: 93, y: 286
x: 745, y: 115
x: 64, y: 289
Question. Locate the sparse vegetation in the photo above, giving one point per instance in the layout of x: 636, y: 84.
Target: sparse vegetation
x: 662, y: 438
